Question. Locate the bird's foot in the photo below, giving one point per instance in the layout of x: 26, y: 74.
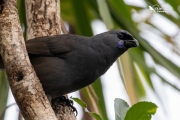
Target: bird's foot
x: 67, y: 101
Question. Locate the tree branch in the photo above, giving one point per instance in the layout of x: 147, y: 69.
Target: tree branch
x: 23, y: 81
x: 43, y: 19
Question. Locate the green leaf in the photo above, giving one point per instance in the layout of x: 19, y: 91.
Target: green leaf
x: 99, y: 98
x: 80, y: 102
x: 121, y: 13
x: 121, y: 107
x: 21, y: 11
x: 105, y: 14
x: 95, y: 115
x: 84, y: 105
x: 141, y: 111
x: 82, y: 22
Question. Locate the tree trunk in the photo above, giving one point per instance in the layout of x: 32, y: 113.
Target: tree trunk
x: 43, y: 19
x: 23, y: 81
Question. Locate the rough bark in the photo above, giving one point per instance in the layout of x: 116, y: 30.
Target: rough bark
x: 23, y: 81
x: 43, y: 19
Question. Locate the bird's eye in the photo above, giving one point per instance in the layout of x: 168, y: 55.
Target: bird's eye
x: 120, y: 36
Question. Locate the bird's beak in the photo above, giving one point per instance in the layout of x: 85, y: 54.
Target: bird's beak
x: 131, y: 43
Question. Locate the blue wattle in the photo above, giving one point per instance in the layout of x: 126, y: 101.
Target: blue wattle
x: 121, y: 44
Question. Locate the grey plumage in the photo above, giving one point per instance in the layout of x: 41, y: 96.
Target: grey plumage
x: 66, y: 63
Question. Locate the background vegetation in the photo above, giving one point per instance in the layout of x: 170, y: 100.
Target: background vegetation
x: 154, y: 61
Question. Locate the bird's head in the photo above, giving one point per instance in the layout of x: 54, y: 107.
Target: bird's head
x: 111, y: 45
x: 119, y: 40
x: 126, y: 40
x: 122, y: 38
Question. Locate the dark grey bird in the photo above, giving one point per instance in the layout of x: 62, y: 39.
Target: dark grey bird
x: 66, y: 63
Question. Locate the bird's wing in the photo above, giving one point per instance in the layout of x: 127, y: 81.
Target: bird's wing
x: 51, y: 45
x: 38, y: 46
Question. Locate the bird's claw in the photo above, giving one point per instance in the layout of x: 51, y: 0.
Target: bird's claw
x: 68, y: 102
